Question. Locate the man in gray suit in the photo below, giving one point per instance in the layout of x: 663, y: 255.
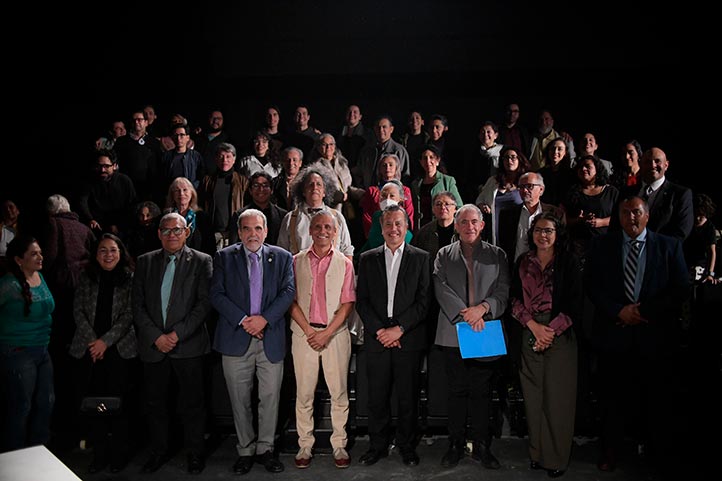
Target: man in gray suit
x: 170, y: 307
x: 471, y: 281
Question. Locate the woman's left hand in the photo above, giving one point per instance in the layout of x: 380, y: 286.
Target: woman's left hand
x: 97, y: 349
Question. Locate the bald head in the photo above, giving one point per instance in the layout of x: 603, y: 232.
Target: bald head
x: 653, y: 165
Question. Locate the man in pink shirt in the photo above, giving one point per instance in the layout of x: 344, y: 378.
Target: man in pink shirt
x: 325, y: 295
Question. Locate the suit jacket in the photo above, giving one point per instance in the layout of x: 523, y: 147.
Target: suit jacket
x: 665, y: 286
x: 274, y: 216
x: 491, y: 283
x: 670, y: 210
x: 230, y: 296
x: 508, y: 222
x: 121, y: 333
x: 188, y: 307
x: 410, y: 297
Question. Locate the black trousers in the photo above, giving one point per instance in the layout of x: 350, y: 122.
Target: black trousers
x: 399, y: 369
x: 469, y: 396
x: 190, y: 404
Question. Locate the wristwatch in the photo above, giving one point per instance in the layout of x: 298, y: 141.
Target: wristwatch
x: 402, y: 329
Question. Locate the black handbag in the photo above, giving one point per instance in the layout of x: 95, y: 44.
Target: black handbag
x: 101, y: 405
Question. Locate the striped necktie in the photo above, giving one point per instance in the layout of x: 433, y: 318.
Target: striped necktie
x: 630, y: 269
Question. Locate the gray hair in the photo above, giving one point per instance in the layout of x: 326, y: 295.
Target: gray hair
x: 527, y: 174
x: 252, y: 213
x: 326, y: 213
x: 399, y: 186
x: 226, y: 147
x: 398, y: 164
x: 470, y: 207
x: 57, y: 204
x: 171, y: 216
x: 293, y: 149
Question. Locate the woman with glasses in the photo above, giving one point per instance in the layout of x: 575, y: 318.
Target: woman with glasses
x: 501, y: 191
x: 546, y: 299
x: 104, y: 345
x: 431, y: 183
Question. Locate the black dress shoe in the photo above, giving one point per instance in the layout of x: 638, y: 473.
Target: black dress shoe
x: 372, y: 456
x: 410, y: 458
x: 195, y: 463
x: 482, y: 454
x: 452, y: 456
x: 555, y: 473
x: 535, y: 465
x: 155, y: 461
x: 269, y: 462
x: 243, y: 465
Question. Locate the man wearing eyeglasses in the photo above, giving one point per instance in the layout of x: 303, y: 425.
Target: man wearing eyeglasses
x: 139, y: 155
x: 170, y: 307
x: 514, y: 222
x: 261, y: 185
x: 182, y: 161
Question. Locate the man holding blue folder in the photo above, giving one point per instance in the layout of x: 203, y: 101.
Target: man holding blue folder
x: 471, y: 281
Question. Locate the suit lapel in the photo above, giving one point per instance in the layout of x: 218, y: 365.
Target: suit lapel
x: 381, y: 266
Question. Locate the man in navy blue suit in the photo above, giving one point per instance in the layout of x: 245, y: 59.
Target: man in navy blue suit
x: 638, y: 300
x: 252, y: 339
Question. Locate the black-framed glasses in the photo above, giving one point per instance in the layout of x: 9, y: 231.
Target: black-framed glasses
x: 104, y: 166
x: 544, y: 231
x: 528, y: 186
x: 258, y: 185
x: 176, y: 231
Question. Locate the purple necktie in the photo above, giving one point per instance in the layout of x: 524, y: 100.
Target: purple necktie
x: 256, y: 287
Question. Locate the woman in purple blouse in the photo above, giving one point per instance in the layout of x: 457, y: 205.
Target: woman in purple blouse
x: 546, y: 299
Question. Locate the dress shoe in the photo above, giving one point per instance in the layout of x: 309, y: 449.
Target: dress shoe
x: 195, y: 463
x: 155, y: 461
x: 482, y: 453
x: 269, y: 462
x: 243, y: 465
x: 452, y: 456
x: 410, y: 458
x: 303, y: 458
x: 535, y: 465
x: 556, y: 473
x: 372, y: 456
x: 341, y: 458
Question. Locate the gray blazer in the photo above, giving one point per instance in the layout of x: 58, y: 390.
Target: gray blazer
x: 188, y: 307
x: 491, y: 277
x: 121, y: 333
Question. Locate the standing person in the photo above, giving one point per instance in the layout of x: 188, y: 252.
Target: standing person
x: 104, y: 344
x: 365, y: 173
x: 513, y: 133
x: 546, y: 298
x: 292, y: 160
x: 260, y: 188
x: 471, y: 281
x: 393, y: 284
x: 425, y: 188
x: 325, y: 295
x: 170, y: 308
x: 252, y: 288
x: 26, y: 305
x: 637, y: 280
x: 138, y: 155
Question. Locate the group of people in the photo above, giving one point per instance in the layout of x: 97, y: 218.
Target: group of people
x: 270, y: 249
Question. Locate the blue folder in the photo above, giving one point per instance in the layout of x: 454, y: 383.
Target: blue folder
x: 485, y: 343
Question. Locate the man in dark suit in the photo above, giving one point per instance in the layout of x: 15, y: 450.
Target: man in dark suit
x: 170, y: 312
x: 392, y: 299
x: 670, y: 204
x: 638, y: 306
x: 514, y: 222
x: 251, y: 334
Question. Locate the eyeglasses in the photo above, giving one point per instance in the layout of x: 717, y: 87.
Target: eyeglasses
x: 138, y: 119
x: 528, y: 186
x: 544, y: 231
x: 176, y: 231
x: 441, y: 205
x: 257, y: 185
x: 104, y: 166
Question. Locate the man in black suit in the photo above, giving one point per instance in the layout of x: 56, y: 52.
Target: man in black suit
x: 392, y: 299
x: 638, y: 281
x: 670, y: 204
x: 170, y: 312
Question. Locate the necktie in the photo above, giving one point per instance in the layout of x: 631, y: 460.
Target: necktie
x: 166, y: 286
x: 647, y: 192
x: 256, y: 287
x: 630, y: 269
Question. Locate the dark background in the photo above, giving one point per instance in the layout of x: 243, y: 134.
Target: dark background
x: 620, y: 71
